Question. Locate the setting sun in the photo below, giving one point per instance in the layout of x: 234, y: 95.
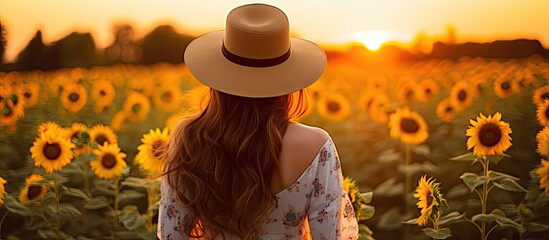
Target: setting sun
x: 372, y: 39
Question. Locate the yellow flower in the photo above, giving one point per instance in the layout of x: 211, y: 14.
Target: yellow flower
x: 541, y: 94
x: 407, y: 91
x: 2, y: 190
x: 137, y: 106
x: 445, y: 111
x: 11, y: 112
x: 52, y: 151
x: 153, y: 150
x: 488, y: 135
x: 543, y: 173
x: 542, y: 113
x: 99, y: 134
x: 543, y: 141
x: 461, y: 96
x: 350, y: 187
x: 73, y: 97
x: 429, y: 198
x: 365, y: 100
x: 33, y: 189
x: 103, y: 92
x: 29, y: 93
x: 334, y: 107
x: 427, y: 89
x: 379, y: 108
x: 47, y: 126
x: 167, y: 98
x: 408, y: 126
x: 504, y: 86
x: 118, y: 120
x: 110, y: 161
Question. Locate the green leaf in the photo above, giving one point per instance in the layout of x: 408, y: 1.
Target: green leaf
x: 494, y: 175
x: 496, y: 214
x: 367, y: 196
x: 412, y: 221
x: 391, y: 219
x: 131, y: 218
x: 509, y: 185
x: 130, y: 195
x: 14, y: 206
x: 68, y: 211
x: 390, y: 155
x: 97, y: 203
x: 496, y: 158
x: 442, y: 233
x: 133, y: 182
x: 422, y: 149
x: 536, y: 227
x: 468, y: 157
x: 506, y: 222
x: 473, y: 180
x: 366, y: 212
x: 389, y: 188
x: 451, y: 218
x: 74, y: 192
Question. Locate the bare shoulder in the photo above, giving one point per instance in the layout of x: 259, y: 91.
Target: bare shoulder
x: 304, y: 136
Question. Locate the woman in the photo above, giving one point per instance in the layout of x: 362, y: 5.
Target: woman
x: 242, y: 168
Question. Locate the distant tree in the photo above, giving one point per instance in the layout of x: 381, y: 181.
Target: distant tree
x: 33, y: 55
x: 451, y: 34
x: 163, y: 44
x: 3, y: 42
x: 124, y: 48
x: 74, y: 50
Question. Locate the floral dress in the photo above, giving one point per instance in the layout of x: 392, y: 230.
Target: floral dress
x: 314, y: 206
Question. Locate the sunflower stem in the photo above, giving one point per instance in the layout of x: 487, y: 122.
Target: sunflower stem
x: 56, y: 191
x: 407, y: 184
x: 116, y: 193
x: 150, y: 213
x: 483, y: 202
x: 2, y: 221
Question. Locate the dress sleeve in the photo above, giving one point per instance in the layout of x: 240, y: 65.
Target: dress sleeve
x: 331, y: 214
x: 173, y: 217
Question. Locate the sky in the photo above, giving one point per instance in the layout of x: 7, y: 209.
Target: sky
x: 327, y: 22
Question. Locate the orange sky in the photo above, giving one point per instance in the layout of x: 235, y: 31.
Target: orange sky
x: 327, y: 22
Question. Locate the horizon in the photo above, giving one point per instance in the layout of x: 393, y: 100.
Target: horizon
x: 333, y: 26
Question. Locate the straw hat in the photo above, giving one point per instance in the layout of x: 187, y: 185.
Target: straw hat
x: 255, y: 55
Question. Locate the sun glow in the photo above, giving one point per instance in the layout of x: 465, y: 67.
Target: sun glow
x: 372, y: 39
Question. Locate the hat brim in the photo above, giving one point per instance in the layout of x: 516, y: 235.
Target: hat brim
x: 205, y: 60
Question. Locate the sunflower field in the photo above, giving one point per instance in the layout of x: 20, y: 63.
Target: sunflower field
x: 438, y: 149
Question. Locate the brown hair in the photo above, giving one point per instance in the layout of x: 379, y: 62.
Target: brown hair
x: 221, y: 160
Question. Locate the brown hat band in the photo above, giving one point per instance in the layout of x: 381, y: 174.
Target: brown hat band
x: 251, y: 62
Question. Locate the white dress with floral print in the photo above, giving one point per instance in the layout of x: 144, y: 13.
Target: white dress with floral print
x: 315, y: 205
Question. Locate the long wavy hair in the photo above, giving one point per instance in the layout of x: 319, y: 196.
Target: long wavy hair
x: 220, y: 161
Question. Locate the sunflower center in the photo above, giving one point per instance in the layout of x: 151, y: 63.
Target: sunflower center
x: 448, y: 109
x: 429, y: 199
x: 74, y: 135
x: 100, y: 139
x: 547, y: 112
x: 333, y: 107
x: 489, y: 135
x: 545, y: 96
x: 428, y: 91
x: 73, y: 97
x: 409, y: 125
x: 34, y: 191
x: 167, y: 96
x: 158, y: 149
x: 462, y: 95
x: 108, y: 161
x: 102, y: 92
x: 505, y: 86
x: 14, y: 99
x: 409, y: 94
x: 136, y: 108
x: 52, y: 151
x: 27, y: 95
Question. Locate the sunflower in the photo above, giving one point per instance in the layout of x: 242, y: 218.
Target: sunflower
x: 543, y: 141
x: 379, y: 108
x: 2, y: 190
x: 316, y: 90
x: 77, y: 134
x: 46, y: 126
x: 430, y: 200
x: 488, y: 135
x: 365, y: 100
x: 408, y: 126
x: 407, y: 91
x: 152, y: 153
x: 52, y: 151
x: 73, y: 97
x: 541, y: 94
x: 334, y: 107
x: 461, y: 96
x: 29, y: 93
x: 377, y: 82
x: 10, y: 113
x: 118, y: 120
x: 103, y: 93
x: 427, y: 89
x: 445, y: 111
x: 542, y: 113
x: 543, y: 173
x: 504, y: 86
x: 110, y: 161
x: 167, y: 98
x: 99, y: 134
x: 137, y: 106
x: 33, y: 189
